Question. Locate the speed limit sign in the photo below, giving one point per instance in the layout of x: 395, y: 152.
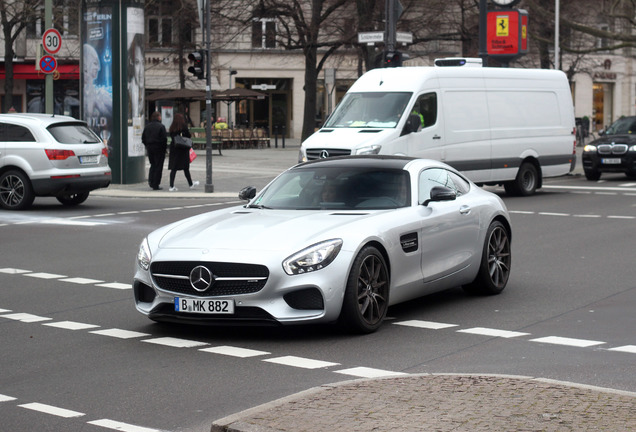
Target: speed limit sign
x: 52, y: 41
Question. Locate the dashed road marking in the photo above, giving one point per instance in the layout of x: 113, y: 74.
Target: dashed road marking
x: 175, y: 342
x: 14, y: 271
x: 115, y: 285
x: 82, y: 281
x: 556, y: 340
x: 44, y: 275
x: 71, y: 325
x: 492, y: 332
x: 300, y: 362
x: 626, y: 348
x: 234, y: 351
x: 119, y: 426
x: 5, y: 398
x: 25, y: 317
x: 365, y: 372
x: 425, y: 324
x: 50, y: 409
x: 120, y: 333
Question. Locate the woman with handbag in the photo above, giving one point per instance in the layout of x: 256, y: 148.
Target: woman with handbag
x: 179, y: 159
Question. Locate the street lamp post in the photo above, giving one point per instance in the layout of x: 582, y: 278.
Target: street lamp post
x: 209, y: 187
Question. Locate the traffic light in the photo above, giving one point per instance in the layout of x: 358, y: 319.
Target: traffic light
x: 393, y: 59
x: 198, y: 68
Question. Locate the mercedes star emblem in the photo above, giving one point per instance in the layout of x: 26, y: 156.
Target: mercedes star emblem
x: 324, y: 154
x: 201, y: 278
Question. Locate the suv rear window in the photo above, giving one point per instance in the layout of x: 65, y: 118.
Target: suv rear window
x: 15, y: 133
x: 73, y: 133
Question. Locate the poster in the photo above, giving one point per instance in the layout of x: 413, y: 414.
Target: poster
x: 135, y: 79
x: 97, y: 59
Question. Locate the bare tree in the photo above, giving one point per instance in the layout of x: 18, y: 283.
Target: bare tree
x: 14, y: 17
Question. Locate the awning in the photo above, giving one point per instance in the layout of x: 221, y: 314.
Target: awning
x: 26, y: 71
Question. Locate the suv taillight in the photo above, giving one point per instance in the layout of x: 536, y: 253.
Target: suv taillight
x: 105, y: 151
x: 59, y: 154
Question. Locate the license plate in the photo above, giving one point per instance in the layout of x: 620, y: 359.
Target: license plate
x: 611, y: 161
x: 203, y: 306
x: 88, y: 159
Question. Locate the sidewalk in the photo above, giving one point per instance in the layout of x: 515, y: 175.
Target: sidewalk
x: 442, y: 403
x: 230, y: 173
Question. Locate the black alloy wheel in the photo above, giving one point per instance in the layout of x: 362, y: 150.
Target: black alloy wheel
x: 496, y: 259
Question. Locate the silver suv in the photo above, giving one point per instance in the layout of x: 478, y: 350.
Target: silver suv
x: 46, y: 155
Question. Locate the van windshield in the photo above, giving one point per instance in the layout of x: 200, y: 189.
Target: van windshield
x: 369, y: 110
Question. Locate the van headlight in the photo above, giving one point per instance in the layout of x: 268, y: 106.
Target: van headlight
x: 313, y: 258
x: 369, y: 150
x: 144, y: 256
x: 301, y: 157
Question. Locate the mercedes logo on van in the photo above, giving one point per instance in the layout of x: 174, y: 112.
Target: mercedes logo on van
x: 201, y: 278
x: 324, y: 154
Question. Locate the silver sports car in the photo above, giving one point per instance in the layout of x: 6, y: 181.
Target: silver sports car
x: 338, y: 239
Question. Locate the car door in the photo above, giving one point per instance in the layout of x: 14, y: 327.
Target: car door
x: 3, y: 146
x: 449, y: 231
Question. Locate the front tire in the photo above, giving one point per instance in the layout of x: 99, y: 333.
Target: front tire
x: 592, y: 174
x: 16, y: 192
x: 494, y: 269
x: 366, y: 298
x: 526, y: 182
x: 73, y: 199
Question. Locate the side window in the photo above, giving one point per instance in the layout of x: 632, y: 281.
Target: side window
x: 13, y: 133
x: 440, y: 177
x: 426, y: 108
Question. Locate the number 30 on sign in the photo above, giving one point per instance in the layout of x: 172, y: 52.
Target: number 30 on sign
x: 52, y: 41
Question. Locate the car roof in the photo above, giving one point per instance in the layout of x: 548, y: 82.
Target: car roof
x: 44, y: 120
x: 365, y: 161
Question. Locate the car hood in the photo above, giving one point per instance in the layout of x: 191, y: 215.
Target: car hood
x: 619, y: 139
x: 260, y: 229
x: 346, y: 137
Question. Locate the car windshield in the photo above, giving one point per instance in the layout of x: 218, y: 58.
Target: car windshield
x: 369, y: 110
x: 73, y: 133
x: 337, y: 188
x: 625, y: 125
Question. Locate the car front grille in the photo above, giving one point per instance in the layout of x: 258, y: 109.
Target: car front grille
x: 227, y: 278
x: 609, y: 149
x: 313, y: 154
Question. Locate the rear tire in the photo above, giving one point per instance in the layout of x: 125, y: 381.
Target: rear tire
x: 526, y: 182
x: 16, y: 192
x: 494, y: 269
x: 366, y: 298
x: 73, y: 199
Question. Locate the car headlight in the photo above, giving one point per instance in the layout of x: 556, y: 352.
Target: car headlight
x: 369, y: 150
x: 589, y: 148
x: 301, y: 157
x: 632, y: 148
x: 313, y: 258
x: 144, y: 256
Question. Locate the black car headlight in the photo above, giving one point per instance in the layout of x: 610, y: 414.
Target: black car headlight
x: 313, y: 258
x: 144, y: 256
x: 589, y: 148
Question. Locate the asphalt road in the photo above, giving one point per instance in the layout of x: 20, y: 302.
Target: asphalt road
x: 76, y: 356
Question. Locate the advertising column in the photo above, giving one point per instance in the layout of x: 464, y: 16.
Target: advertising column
x: 112, y: 81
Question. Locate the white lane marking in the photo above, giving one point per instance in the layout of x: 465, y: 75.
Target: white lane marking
x: 119, y: 426
x: 128, y: 212
x: 105, y: 214
x: 492, y: 332
x: 592, y: 188
x: 4, y: 311
x: 425, y: 324
x: 14, y: 271
x: 150, y: 211
x: 300, y: 362
x: 556, y: 340
x: 587, y: 216
x: 365, y: 372
x: 5, y: 398
x: 50, y: 409
x: 115, y: 285
x: 621, y: 217
x: 81, y: 281
x: 71, y: 325
x: 120, y: 333
x: 175, y: 342
x: 626, y: 348
x: 234, y: 351
x: 521, y: 212
x: 68, y: 222
x: 45, y: 275
x: 554, y: 214
x: 25, y: 317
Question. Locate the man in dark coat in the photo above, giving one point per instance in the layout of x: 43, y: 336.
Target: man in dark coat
x: 155, y: 138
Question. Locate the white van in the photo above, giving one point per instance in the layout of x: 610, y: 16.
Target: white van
x: 504, y: 126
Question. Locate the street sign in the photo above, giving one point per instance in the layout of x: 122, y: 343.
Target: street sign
x: 406, y: 38
x: 52, y: 41
x: 48, y: 64
x: 370, y: 37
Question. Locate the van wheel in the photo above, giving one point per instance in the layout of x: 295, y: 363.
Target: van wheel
x: 73, y: 198
x: 526, y: 182
x: 16, y: 192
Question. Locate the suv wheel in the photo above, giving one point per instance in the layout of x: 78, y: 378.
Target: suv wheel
x: 592, y: 174
x: 16, y: 192
x: 73, y: 199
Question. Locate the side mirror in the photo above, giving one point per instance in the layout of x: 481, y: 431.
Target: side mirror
x: 441, y: 193
x: 413, y: 124
x: 247, y: 193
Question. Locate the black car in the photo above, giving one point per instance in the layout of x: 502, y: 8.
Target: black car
x: 613, y: 152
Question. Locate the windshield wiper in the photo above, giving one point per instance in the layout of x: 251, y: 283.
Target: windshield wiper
x: 259, y: 206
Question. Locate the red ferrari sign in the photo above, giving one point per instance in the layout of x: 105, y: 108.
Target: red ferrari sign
x: 507, y: 33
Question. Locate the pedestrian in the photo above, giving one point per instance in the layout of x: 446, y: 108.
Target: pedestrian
x: 179, y: 159
x: 155, y: 139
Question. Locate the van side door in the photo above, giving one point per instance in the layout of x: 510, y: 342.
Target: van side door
x: 428, y: 141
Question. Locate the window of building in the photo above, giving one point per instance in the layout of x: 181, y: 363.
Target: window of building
x: 603, y: 42
x: 264, y: 33
x: 65, y: 20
